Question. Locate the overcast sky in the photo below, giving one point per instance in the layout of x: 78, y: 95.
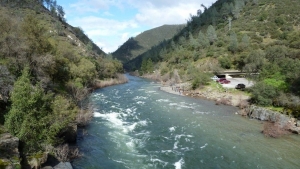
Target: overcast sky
x: 109, y: 23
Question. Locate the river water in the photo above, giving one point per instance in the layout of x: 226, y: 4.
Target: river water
x: 137, y: 126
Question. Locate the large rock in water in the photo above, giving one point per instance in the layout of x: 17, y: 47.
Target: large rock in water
x: 9, y: 156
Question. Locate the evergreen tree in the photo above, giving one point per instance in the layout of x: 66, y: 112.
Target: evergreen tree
x: 211, y: 34
x: 233, y: 44
x: 245, y: 42
x: 202, y: 39
x: 60, y: 13
x: 193, y: 42
x: 149, y: 66
x: 144, y: 66
x: 229, y: 23
x: 29, y: 108
x: 225, y: 10
x: 48, y: 3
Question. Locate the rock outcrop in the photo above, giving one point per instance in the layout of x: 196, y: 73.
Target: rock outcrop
x: 61, y: 165
x: 9, y: 156
x: 263, y: 114
x: 36, y: 160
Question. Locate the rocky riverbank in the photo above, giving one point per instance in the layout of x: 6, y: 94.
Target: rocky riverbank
x: 279, y: 122
x: 219, y: 95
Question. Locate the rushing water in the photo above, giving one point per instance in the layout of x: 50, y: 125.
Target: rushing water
x: 137, y: 126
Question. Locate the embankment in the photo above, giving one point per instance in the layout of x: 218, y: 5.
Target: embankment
x: 239, y: 99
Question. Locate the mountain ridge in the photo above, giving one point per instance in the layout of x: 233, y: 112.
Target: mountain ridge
x: 135, y: 46
x: 253, y: 36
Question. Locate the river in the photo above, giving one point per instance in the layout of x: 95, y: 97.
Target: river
x: 137, y: 126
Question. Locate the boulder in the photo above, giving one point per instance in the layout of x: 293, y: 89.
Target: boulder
x: 36, y: 160
x: 9, y: 146
x: 62, y: 165
x: 263, y: 114
x: 298, y: 123
x: 9, y: 156
x: 47, y: 167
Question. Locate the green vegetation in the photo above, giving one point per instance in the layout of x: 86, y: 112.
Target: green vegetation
x: 145, y: 41
x: 254, y: 36
x: 47, y: 68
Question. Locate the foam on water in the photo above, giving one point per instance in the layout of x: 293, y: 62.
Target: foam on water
x: 140, y: 98
x: 163, y: 100
x: 128, y: 110
x: 97, y: 114
x: 155, y: 160
x: 204, y: 146
x: 179, y: 164
x: 130, y: 144
x: 151, y: 91
x: 140, y: 102
x: 199, y: 112
x: 172, y: 129
x: 175, y: 145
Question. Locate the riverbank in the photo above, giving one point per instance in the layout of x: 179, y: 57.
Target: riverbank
x: 53, y: 157
x: 120, y: 79
x: 134, y: 122
x: 275, y: 125
x: 215, y: 93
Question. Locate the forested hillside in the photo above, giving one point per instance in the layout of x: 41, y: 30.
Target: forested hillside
x: 145, y: 41
x: 47, y: 68
x: 254, y: 36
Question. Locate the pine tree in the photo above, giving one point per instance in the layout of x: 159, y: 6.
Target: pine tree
x: 245, y: 42
x: 149, y: 66
x: 233, y: 45
x: 203, y: 41
x: 29, y: 107
x: 211, y: 34
x: 144, y: 66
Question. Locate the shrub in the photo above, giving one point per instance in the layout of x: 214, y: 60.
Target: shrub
x: 200, y: 79
x: 225, y: 62
x: 66, y: 153
x: 263, y: 94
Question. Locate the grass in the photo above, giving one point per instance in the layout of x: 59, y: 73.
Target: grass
x: 277, y: 109
x: 4, y: 61
x: 2, y: 129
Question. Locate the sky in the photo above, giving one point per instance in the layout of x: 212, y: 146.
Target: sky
x: 109, y: 23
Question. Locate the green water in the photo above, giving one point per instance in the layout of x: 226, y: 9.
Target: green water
x: 137, y: 126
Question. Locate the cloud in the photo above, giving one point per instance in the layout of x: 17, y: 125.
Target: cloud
x: 101, y: 19
x: 156, y: 13
x: 167, y: 15
x: 93, y: 5
x: 94, y: 25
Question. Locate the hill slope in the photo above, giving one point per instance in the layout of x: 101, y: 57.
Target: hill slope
x: 47, y: 67
x: 255, y: 36
x: 144, y: 41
